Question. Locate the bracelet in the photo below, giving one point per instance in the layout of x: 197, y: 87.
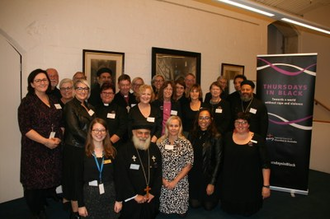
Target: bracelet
x: 266, y: 186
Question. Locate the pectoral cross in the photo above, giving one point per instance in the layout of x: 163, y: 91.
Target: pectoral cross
x: 153, y: 158
x: 147, y: 189
x: 134, y: 158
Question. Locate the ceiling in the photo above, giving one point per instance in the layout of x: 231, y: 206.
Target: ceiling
x: 297, y: 7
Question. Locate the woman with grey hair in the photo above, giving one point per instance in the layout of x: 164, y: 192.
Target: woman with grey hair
x: 66, y: 89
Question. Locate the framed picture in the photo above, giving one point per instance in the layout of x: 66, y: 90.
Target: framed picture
x: 229, y: 71
x: 93, y: 60
x: 173, y: 64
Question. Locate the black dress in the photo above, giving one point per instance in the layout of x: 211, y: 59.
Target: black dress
x: 242, y: 181
x: 99, y: 206
x: 41, y: 167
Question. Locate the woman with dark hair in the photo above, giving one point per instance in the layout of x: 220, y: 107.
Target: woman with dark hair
x: 40, y: 122
x: 246, y: 170
x: 179, y: 95
x: 207, y: 144
x: 113, y: 114
x: 77, y: 116
x: 190, y: 110
x: 220, y: 109
x: 166, y: 104
x: 97, y: 190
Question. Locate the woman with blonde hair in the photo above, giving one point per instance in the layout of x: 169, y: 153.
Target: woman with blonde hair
x: 177, y: 157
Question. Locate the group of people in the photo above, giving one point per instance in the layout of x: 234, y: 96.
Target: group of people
x: 134, y: 154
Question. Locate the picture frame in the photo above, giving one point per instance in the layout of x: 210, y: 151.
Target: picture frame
x: 93, y: 60
x: 174, y: 64
x: 229, y: 71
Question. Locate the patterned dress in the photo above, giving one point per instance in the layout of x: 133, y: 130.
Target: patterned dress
x: 40, y: 166
x: 176, y: 200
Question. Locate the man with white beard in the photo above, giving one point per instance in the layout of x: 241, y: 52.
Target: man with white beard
x: 139, y: 175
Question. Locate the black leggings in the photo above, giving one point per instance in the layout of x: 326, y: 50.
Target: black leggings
x: 35, y: 199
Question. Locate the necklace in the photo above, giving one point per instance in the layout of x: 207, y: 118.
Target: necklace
x: 146, y: 177
x: 248, y: 106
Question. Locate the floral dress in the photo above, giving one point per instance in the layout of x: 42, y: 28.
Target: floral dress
x: 175, y: 158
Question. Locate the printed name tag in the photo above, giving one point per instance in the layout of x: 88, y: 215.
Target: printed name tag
x: 101, y: 188
x: 111, y: 115
x: 57, y: 106
x: 93, y: 183
x: 52, y: 135
x: 133, y: 104
x: 252, y: 110
x: 174, y: 112
x: 254, y: 141
x: 151, y: 119
x: 169, y: 147
x: 107, y: 161
x: 90, y: 112
x: 134, y: 166
x: 218, y: 110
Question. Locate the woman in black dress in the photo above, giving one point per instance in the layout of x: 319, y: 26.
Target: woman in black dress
x: 40, y: 122
x: 207, y: 144
x: 97, y: 196
x: 246, y: 170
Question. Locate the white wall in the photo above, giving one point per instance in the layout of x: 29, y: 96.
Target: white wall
x: 53, y: 34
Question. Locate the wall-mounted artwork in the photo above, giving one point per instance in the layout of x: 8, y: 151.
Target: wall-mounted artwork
x: 229, y: 71
x: 93, y: 60
x: 173, y: 64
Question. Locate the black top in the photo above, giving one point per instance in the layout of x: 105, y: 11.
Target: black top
x: 95, y: 98
x: 221, y: 114
x: 120, y: 100
x: 116, y: 118
x: 188, y: 117
x: 155, y: 118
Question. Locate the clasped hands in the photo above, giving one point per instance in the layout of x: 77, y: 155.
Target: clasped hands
x: 144, y: 198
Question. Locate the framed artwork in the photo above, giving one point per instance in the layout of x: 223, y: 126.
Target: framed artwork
x: 173, y: 64
x: 93, y: 60
x: 229, y: 71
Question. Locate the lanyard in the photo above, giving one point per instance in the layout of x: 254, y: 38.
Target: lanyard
x: 98, y: 166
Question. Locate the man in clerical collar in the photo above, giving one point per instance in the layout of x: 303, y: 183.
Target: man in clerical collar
x: 124, y: 97
x: 102, y: 75
x: 139, y: 175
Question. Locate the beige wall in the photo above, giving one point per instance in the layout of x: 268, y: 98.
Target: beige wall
x: 53, y: 34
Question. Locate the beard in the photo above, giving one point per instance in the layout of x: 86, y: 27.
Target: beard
x: 246, y: 97
x: 141, y: 144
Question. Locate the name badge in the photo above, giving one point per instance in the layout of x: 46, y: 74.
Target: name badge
x: 133, y: 104
x: 252, y: 110
x: 174, y: 112
x: 101, y: 188
x: 151, y: 119
x: 218, y: 110
x: 254, y: 141
x: 169, y: 147
x: 111, y: 115
x: 57, y: 106
x: 92, y: 183
x: 134, y: 166
x: 90, y: 112
x: 107, y: 161
x: 52, y: 135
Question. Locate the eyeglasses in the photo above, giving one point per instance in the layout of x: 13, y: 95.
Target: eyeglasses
x: 65, y: 88
x: 41, y: 80
x: 97, y: 131
x: 108, y: 93
x: 82, y: 88
x: 240, y: 123
x: 204, y: 118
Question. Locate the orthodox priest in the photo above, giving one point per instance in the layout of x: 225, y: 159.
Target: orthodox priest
x: 139, y: 175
